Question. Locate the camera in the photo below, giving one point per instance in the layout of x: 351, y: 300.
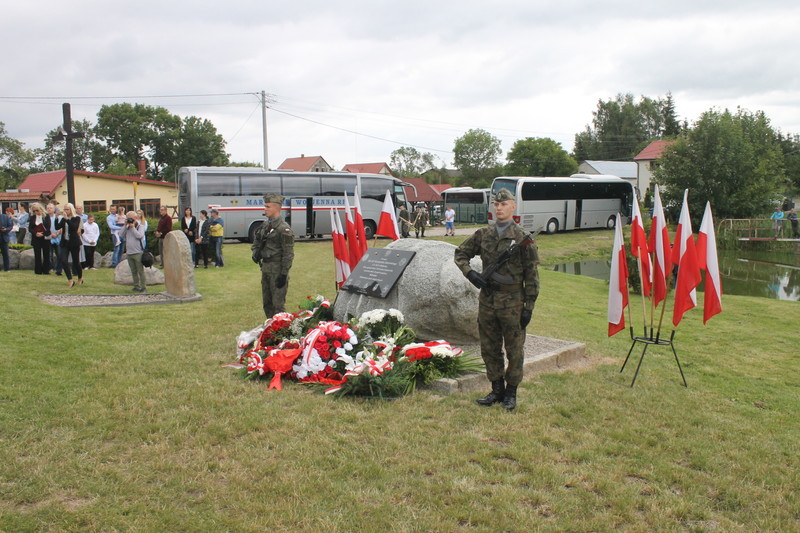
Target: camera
x: 130, y: 221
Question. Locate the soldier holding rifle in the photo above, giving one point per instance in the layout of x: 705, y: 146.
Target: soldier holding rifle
x: 509, y: 286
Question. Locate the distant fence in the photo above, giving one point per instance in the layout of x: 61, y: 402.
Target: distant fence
x: 754, y: 229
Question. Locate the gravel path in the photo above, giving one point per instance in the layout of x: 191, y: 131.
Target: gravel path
x: 111, y: 300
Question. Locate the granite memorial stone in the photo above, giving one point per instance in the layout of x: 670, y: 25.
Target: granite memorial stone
x: 435, y: 298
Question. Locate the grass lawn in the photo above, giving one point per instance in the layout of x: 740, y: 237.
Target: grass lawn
x: 121, y: 419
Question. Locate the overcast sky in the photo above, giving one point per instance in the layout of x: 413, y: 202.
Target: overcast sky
x: 355, y: 81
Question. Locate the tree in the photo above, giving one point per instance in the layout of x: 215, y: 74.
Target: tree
x: 790, y: 144
x: 88, y: 153
x: 198, y: 144
x: 539, y: 157
x: 734, y: 161
x: 622, y: 127
x: 15, y: 160
x: 408, y: 162
x: 167, y: 142
x: 476, y: 156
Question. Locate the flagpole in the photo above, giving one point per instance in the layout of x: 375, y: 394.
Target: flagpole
x: 663, y: 308
x: 652, y: 297
x: 644, y: 306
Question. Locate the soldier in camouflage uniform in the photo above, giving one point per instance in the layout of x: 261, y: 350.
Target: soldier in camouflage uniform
x: 273, y: 249
x: 506, y: 300
x: 420, y: 220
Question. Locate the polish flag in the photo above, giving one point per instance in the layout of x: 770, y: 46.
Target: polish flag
x: 685, y: 256
x: 362, y: 236
x: 339, y: 250
x: 639, y: 247
x: 618, y: 284
x: 707, y: 260
x: 659, y: 245
x: 387, y: 225
x: 352, y: 236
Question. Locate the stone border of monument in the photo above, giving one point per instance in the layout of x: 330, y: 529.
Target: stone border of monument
x: 542, y: 355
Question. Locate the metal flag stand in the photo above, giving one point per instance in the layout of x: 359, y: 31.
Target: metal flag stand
x: 652, y: 341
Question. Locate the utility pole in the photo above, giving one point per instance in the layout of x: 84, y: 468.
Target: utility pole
x: 264, y: 128
x: 65, y: 134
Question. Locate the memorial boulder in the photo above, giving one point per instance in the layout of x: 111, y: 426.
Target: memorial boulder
x: 178, y: 266
x: 435, y: 298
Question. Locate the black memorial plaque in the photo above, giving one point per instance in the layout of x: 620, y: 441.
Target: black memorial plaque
x: 378, y: 271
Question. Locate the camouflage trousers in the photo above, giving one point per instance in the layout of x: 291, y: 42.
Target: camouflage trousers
x: 498, y: 324
x: 272, y: 298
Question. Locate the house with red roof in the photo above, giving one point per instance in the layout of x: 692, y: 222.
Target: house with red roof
x: 646, y: 162
x: 312, y: 163
x: 440, y: 187
x: 96, y: 191
x: 368, y: 168
x: 423, y: 193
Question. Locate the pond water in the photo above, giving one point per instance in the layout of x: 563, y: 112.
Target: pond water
x: 749, y: 273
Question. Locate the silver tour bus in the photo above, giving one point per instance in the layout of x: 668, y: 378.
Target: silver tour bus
x: 559, y: 204
x: 471, y: 205
x: 237, y: 193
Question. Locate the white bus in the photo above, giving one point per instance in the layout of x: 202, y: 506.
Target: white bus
x: 577, y: 202
x: 471, y: 205
x: 237, y: 193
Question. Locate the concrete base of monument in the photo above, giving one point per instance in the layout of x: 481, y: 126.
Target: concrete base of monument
x: 542, y: 355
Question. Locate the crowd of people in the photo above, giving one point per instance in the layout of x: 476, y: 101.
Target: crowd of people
x: 64, y: 239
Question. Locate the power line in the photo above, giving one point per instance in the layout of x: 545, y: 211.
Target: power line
x: 121, y: 97
x: 359, y: 133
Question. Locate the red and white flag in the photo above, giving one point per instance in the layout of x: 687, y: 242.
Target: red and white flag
x: 685, y: 256
x: 362, y: 236
x: 618, y: 284
x: 339, y: 249
x: 352, y: 235
x: 387, y: 225
x: 707, y: 260
x: 639, y: 247
x: 659, y: 245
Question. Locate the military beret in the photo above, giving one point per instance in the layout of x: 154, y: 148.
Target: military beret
x: 504, y: 195
x: 273, y: 198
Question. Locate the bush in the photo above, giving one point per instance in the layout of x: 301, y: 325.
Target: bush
x: 20, y: 247
x: 104, y: 244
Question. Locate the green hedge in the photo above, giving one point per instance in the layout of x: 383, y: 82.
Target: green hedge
x: 104, y: 244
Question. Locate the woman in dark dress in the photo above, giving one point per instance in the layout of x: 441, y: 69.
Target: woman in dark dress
x: 37, y: 227
x: 70, y: 226
x: 202, y: 239
x: 189, y: 228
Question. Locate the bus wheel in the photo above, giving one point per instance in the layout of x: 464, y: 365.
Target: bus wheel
x: 552, y: 226
x: 611, y: 223
x: 251, y: 234
x: 369, y: 229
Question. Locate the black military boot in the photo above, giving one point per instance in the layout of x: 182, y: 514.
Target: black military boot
x: 496, y: 396
x: 510, y: 398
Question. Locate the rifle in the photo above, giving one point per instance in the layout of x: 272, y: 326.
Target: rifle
x: 490, y: 271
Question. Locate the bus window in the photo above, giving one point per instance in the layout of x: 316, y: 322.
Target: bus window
x: 337, y: 186
x: 259, y: 185
x: 500, y: 183
x: 400, y: 194
x: 214, y: 185
x: 375, y: 188
x: 300, y: 186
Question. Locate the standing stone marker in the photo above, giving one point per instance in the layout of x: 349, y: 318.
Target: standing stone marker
x: 435, y: 298
x: 178, y: 266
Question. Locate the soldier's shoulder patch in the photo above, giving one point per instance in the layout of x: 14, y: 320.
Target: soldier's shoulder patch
x: 287, y: 229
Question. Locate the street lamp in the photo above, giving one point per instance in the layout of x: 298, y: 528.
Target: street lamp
x: 65, y: 133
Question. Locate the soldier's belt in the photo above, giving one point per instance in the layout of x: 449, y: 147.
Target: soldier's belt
x: 506, y: 287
